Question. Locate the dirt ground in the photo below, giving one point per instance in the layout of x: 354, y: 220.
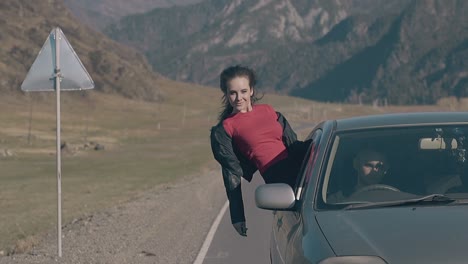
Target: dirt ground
x: 165, y: 225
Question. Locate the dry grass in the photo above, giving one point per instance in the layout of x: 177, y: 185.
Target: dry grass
x: 24, y: 245
x: 145, y: 145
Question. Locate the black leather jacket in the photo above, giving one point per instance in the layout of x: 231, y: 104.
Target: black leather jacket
x: 235, y: 165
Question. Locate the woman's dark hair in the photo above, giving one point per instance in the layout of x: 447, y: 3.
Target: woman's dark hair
x: 227, y: 75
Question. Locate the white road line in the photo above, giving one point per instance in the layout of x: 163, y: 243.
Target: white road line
x: 210, y: 236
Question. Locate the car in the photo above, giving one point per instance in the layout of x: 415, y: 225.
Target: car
x: 412, y: 209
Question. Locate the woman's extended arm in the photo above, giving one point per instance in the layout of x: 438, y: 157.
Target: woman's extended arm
x: 223, y: 152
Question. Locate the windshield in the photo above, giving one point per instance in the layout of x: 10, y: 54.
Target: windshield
x: 382, y: 165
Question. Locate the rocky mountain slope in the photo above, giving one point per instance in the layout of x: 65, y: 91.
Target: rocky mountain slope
x: 24, y: 27
x: 401, y: 52
x: 100, y: 13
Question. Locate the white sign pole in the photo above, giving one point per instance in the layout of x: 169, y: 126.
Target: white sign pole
x: 59, y: 165
x: 46, y: 75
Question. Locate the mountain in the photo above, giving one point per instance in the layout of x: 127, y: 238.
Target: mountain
x: 24, y: 27
x: 403, y: 52
x: 420, y: 57
x: 100, y: 13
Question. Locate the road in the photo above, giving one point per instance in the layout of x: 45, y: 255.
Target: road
x: 229, y: 247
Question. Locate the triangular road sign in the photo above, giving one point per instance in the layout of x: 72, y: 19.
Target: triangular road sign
x: 57, y: 68
x: 73, y: 74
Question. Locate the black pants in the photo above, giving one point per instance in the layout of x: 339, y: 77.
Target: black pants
x: 283, y: 171
x: 287, y: 170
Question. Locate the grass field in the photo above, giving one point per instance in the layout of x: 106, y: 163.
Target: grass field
x: 145, y: 144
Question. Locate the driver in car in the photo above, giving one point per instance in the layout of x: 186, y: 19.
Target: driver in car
x: 371, y: 167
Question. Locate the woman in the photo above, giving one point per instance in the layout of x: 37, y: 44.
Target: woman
x: 251, y: 137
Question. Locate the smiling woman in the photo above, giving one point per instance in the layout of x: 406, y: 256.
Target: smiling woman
x: 251, y: 137
x: 239, y: 95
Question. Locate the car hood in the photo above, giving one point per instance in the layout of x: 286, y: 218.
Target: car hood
x: 436, y: 234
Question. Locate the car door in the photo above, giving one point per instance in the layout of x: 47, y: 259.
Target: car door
x: 287, y: 225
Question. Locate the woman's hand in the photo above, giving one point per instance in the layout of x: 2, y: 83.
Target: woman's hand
x: 241, y: 228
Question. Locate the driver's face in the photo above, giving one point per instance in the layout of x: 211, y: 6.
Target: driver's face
x: 371, y: 171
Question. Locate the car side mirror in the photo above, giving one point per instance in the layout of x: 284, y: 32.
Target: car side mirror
x: 275, y: 196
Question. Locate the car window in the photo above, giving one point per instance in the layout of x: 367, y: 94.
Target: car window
x: 308, y: 163
x: 394, y: 164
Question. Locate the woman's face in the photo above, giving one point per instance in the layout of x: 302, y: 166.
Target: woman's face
x: 239, y: 94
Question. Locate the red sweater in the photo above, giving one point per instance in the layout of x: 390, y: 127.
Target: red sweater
x: 258, y: 135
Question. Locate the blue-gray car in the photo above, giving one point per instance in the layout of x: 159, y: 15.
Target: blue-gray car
x: 390, y: 188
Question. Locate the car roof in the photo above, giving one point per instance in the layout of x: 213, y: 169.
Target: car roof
x: 401, y: 120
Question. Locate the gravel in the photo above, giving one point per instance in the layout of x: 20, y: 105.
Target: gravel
x: 165, y: 225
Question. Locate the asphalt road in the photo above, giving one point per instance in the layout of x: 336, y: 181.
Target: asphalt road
x: 229, y: 247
